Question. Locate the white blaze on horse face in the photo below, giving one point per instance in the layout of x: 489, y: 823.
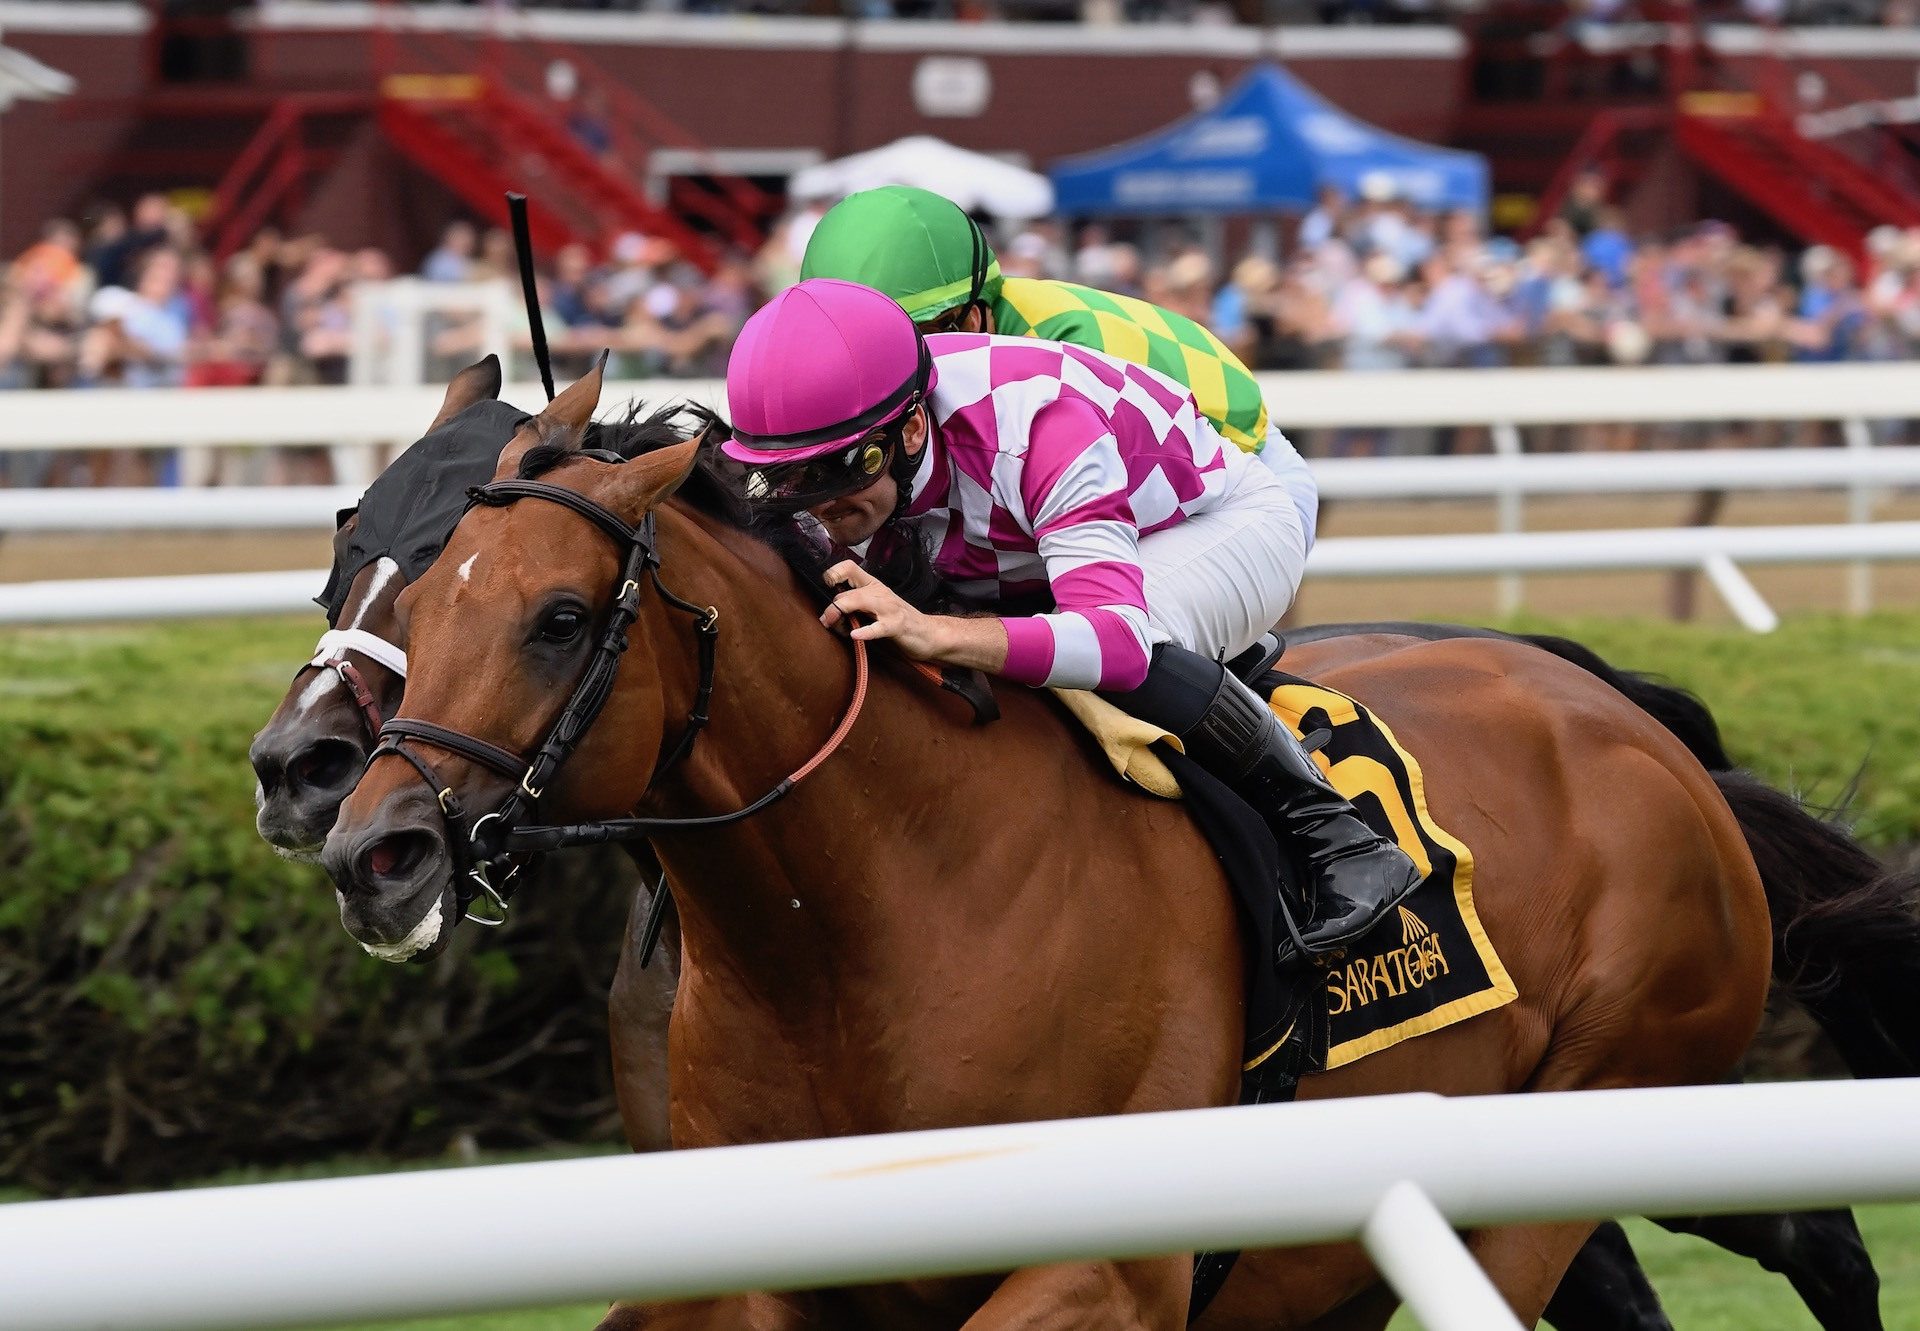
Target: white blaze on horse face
x: 422, y: 936
x: 385, y: 571
x: 317, y: 688
x: 466, y: 568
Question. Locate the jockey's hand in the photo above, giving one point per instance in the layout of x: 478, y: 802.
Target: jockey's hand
x: 876, y: 611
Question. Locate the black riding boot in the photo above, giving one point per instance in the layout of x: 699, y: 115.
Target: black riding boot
x: 1226, y: 727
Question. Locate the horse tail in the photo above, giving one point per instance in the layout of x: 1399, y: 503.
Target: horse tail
x: 1673, y: 707
x: 1846, y: 930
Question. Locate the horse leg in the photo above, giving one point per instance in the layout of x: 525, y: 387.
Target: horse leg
x: 639, y: 1006
x: 1090, y: 1296
x: 1820, y: 1252
x: 1605, y: 1289
x: 749, y: 1312
x: 1526, y: 1262
x: 1369, y: 1310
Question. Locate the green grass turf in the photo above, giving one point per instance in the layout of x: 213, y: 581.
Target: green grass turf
x: 1806, y: 706
x: 1706, y: 1289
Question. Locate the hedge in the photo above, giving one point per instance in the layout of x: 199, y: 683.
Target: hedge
x: 176, y: 999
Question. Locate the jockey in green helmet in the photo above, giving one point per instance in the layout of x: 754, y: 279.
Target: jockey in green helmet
x: 928, y: 254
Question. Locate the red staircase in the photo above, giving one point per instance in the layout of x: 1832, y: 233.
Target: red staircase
x: 1546, y: 106
x: 480, y: 140
x: 458, y: 110
x: 297, y: 142
x: 467, y: 122
x: 1809, y: 187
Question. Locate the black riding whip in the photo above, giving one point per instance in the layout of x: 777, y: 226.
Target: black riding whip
x: 536, y: 326
x: 656, y: 916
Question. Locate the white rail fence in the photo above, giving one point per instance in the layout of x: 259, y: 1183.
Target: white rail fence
x: 858, y: 1209
x: 1718, y: 552
x: 358, y: 422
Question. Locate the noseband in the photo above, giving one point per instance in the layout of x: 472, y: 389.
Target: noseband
x: 330, y: 653
x: 486, y: 846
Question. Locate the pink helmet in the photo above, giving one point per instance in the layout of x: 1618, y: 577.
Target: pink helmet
x: 816, y: 368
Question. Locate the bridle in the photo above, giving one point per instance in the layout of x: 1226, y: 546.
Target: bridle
x: 330, y: 653
x: 486, y: 846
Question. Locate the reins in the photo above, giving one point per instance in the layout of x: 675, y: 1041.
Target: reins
x: 489, y: 843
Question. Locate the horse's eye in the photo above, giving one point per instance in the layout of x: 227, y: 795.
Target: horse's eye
x: 563, y: 624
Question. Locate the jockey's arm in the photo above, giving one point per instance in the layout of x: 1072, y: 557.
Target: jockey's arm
x: 1073, y: 487
x: 977, y: 642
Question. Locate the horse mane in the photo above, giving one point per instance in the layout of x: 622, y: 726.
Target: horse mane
x: 708, y: 490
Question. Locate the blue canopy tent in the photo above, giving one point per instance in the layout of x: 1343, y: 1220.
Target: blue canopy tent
x: 1267, y: 146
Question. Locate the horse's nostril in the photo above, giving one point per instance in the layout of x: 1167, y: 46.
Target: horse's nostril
x: 323, y: 765
x: 396, y: 856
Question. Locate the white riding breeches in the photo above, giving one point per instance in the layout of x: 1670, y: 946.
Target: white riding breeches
x: 1282, y: 459
x: 1220, y: 579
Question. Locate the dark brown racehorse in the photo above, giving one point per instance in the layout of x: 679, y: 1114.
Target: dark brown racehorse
x: 313, y: 748
x: 907, y: 941
x: 310, y: 753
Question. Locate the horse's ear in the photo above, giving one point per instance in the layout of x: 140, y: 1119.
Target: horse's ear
x: 479, y: 382
x: 566, y: 418
x: 563, y: 424
x: 524, y: 440
x: 650, y: 479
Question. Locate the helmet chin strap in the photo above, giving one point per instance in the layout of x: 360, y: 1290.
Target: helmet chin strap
x: 902, y: 464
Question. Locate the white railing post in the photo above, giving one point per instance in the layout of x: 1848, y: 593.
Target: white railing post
x: 1417, y: 1252
x: 498, y: 315
x: 1738, y: 591
x: 366, y: 354
x: 1860, y: 500
x: 406, y: 311
x: 1510, y: 592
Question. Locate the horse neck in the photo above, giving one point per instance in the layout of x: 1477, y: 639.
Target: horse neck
x: 767, y: 896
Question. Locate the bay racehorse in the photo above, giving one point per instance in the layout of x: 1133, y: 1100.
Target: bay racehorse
x: 310, y: 753
x: 853, y: 953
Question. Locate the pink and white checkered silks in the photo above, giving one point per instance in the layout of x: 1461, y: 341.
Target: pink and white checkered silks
x: 1049, y: 464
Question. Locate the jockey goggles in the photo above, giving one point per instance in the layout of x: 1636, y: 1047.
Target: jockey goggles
x: 791, y: 487
x: 829, y: 464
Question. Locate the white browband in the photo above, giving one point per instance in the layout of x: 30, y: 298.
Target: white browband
x: 335, y: 641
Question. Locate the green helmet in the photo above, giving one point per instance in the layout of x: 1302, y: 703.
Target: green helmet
x: 919, y: 248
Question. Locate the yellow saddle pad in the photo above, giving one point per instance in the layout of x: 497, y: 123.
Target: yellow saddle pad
x: 1428, y: 965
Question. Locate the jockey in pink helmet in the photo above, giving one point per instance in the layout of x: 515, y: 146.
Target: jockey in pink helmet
x: 1031, y: 470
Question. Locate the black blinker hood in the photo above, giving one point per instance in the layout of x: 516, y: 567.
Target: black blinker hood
x: 410, y: 510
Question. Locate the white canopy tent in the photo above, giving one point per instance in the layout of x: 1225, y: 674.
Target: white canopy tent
x: 973, y: 180
x: 24, y: 78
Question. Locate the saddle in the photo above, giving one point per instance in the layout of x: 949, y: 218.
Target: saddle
x: 1426, y: 965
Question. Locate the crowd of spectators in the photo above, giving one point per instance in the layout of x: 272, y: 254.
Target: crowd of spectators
x: 1891, y: 13
x: 132, y: 297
